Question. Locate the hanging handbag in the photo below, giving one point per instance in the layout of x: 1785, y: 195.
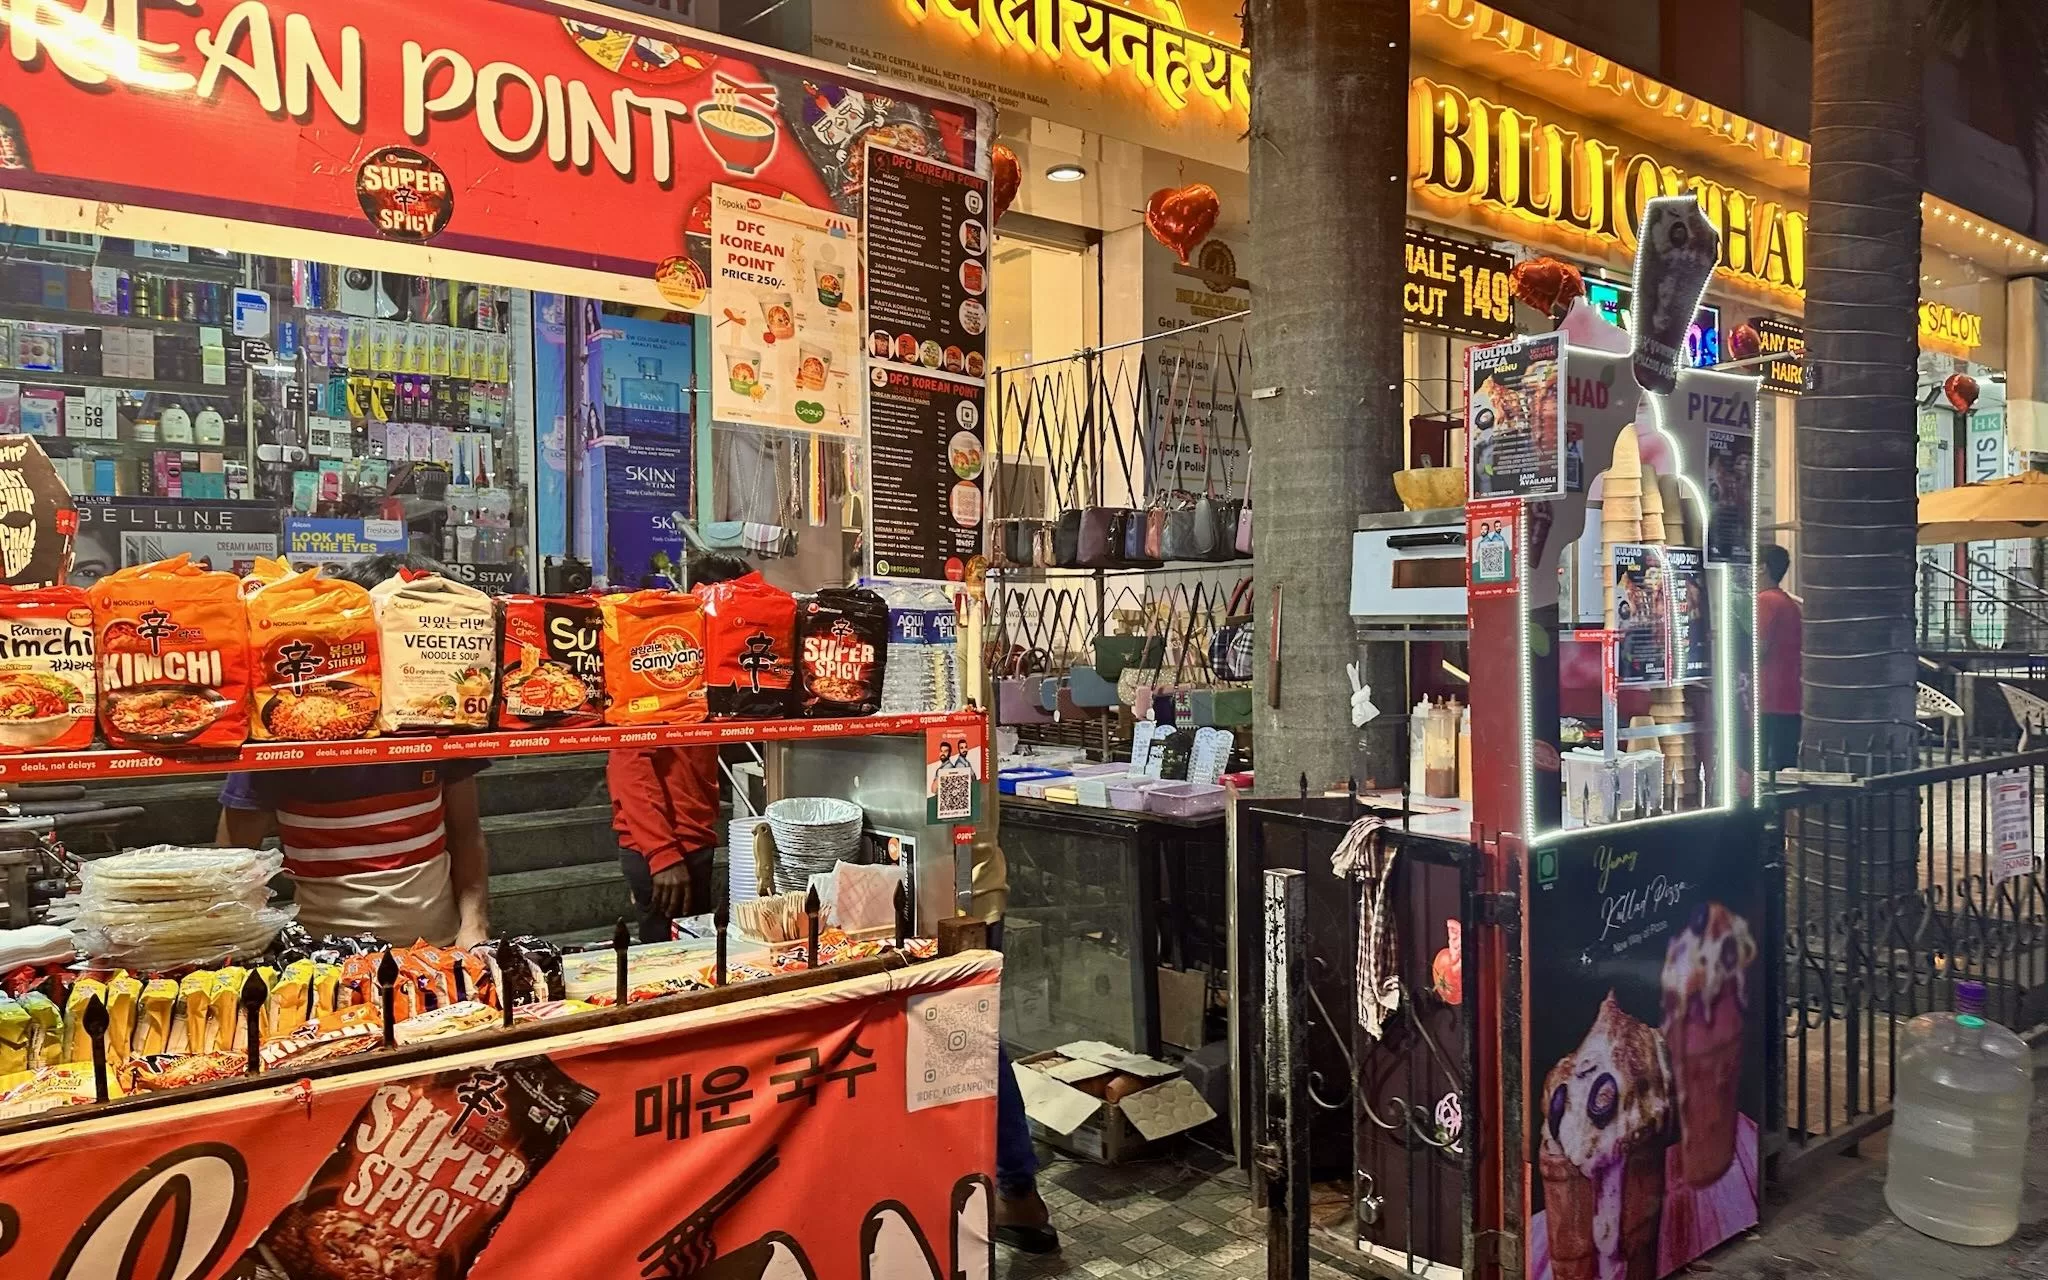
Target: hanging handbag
x: 1230, y: 650
x: 1234, y: 508
x: 1243, y: 541
x: 1135, y: 685
x: 1115, y: 653
x: 1017, y: 692
x: 1015, y: 537
x: 1105, y: 526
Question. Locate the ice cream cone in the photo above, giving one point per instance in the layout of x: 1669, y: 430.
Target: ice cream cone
x: 1706, y: 996
x: 1606, y: 1127
x: 1570, y: 1202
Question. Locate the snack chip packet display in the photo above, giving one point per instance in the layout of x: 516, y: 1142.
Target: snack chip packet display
x: 653, y: 658
x: 749, y: 648
x: 48, y: 1088
x: 551, y: 658
x: 315, y: 645
x: 15, y: 1031
x: 45, y: 1031
x: 157, y: 1072
x: 172, y: 643
x: 842, y: 648
x: 368, y: 1213
x: 48, y: 681
x: 438, y: 648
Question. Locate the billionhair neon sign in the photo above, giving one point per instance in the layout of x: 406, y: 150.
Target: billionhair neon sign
x: 1464, y: 147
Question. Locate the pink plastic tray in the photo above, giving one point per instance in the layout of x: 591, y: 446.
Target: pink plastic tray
x: 1186, y: 799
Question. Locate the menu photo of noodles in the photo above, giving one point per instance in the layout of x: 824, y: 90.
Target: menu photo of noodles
x: 1514, y: 418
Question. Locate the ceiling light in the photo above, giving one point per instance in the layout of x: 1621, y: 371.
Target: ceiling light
x: 1065, y: 171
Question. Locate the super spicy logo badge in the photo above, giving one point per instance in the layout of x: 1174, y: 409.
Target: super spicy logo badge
x: 404, y: 194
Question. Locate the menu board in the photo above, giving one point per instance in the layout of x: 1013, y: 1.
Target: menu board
x: 785, y: 310
x: 927, y: 500
x: 927, y: 240
x: 1515, y: 440
x: 928, y: 236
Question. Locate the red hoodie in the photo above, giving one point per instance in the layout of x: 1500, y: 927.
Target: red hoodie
x: 664, y: 801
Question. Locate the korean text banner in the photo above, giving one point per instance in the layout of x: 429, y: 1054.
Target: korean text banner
x: 844, y: 1132
x: 538, y: 130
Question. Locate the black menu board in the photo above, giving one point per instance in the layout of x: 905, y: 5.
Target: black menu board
x: 925, y: 466
x: 927, y: 230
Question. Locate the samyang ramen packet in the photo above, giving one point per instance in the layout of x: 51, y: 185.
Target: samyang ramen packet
x: 47, y: 680
x: 842, y: 636
x: 551, y: 662
x: 749, y: 647
x: 423, y: 1176
x: 173, y: 648
x: 653, y: 658
x: 439, y: 653
x: 315, y: 646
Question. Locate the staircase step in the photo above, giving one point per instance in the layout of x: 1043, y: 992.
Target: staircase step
x: 521, y: 842
x: 559, y: 901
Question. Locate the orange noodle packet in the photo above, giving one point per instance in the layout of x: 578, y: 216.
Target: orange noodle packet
x: 173, y: 647
x: 654, y: 658
x: 314, y: 642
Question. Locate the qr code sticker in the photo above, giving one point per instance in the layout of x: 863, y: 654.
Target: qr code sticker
x: 956, y: 795
x: 1493, y: 560
x: 951, y: 1051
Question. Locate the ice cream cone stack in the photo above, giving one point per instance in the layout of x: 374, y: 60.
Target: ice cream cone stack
x: 1678, y: 527
x: 1653, y: 509
x: 1621, y: 511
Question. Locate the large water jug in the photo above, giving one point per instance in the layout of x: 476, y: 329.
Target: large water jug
x: 1959, y: 1124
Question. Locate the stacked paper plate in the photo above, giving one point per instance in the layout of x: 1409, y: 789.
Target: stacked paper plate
x: 742, y: 884
x: 812, y: 835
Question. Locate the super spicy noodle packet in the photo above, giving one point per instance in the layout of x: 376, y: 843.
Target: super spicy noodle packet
x: 842, y: 645
x: 749, y: 647
x: 551, y: 662
x: 423, y: 1176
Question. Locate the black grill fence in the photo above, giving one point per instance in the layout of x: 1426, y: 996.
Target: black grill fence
x: 1890, y: 891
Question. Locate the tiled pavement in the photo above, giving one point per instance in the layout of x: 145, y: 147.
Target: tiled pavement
x: 1190, y: 1218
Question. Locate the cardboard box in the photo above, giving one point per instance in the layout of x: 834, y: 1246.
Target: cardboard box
x: 1065, y: 1117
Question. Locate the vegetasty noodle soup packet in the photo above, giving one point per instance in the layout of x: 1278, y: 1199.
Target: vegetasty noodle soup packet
x: 47, y: 682
x: 653, y: 658
x: 173, y: 649
x: 315, y: 645
x: 422, y: 1177
x: 842, y: 639
x: 438, y: 652
x: 749, y: 647
x: 552, y: 660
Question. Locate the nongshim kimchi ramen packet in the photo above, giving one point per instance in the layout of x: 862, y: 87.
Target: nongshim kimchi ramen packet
x: 439, y: 653
x: 314, y: 642
x: 173, y: 648
x: 653, y: 658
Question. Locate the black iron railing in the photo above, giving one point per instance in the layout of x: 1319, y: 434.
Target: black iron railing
x: 1893, y: 890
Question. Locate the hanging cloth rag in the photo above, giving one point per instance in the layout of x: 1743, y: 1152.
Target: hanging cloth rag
x: 1363, y: 856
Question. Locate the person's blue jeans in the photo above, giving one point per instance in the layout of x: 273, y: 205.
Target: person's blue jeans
x: 1016, y: 1158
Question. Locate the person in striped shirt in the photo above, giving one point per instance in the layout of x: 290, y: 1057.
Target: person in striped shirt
x: 396, y: 850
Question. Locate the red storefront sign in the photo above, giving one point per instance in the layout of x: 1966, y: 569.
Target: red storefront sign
x: 839, y: 1133
x: 535, y: 130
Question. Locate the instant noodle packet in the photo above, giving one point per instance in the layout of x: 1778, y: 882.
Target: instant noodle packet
x: 373, y: 1210
x: 48, y: 680
x: 173, y: 648
x: 315, y: 645
x: 438, y: 651
x: 551, y: 662
x: 653, y: 658
x: 842, y: 648
x: 749, y: 647
x: 51, y: 1087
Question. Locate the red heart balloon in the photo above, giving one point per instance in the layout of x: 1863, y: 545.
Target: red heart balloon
x: 1005, y: 176
x: 1961, y: 390
x: 1547, y: 284
x: 1182, y: 217
x: 1744, y: 342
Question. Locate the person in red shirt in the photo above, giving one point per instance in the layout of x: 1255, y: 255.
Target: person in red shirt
x: 665, y: 809
x: 1780, y: 636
